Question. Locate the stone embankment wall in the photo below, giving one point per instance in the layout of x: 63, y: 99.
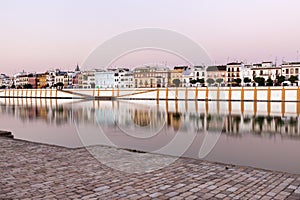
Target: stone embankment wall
x: 287, y: 94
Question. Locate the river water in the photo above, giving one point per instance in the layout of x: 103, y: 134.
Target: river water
x: 263, y: 135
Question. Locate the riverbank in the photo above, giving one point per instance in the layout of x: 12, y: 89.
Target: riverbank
x: 269, y: 94
x: 36, y: 171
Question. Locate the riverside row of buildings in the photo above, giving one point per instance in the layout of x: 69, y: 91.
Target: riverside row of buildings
x: 152, y: 76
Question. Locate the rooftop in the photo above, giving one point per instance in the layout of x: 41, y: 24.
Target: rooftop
x: 291, y: 63
x: 216, y: 68
x: 235, y: 63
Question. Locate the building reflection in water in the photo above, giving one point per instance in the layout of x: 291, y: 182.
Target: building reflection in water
x: 111, y: 114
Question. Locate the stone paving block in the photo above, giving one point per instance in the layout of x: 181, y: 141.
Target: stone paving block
x: 38, y: 171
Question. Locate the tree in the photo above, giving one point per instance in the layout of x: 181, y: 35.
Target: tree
x: 93, y: 85
x: 13, y: 86
x: 176, y: 82
x: 219, y: 81
x: 3, y: 87
x: 193, y: 81
x: 280, y: 79
x: 210, y: 81
x: 269, y: 82
x: 260, y: 81
x: 201, y: 80
x: 247, y: 80
x: 60, y: 85
x: 27, y: 86
x: 293, y: 79
x: 238, y: 81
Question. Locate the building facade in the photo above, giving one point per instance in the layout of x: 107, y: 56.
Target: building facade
x: 216, y: 73
x: 105, y: 79
x: 5, y: 81
x: 176, y: 74
x: 151, y: 77
x: 265, y: 70
x: 86, y: 79
x: 234, y: 72
x: 187, y: 76
x: 289, y: 69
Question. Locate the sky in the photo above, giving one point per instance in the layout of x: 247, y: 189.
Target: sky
x: 36, y: 35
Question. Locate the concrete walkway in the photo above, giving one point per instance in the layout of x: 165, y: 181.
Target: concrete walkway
x: 38, y: 171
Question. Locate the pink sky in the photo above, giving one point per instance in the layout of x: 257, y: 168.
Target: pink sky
x: 37, y: 35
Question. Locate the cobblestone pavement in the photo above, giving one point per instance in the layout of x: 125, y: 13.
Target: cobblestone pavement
x: 38, y: 171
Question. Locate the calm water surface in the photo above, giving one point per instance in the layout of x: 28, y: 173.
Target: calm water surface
x: 263, y: 135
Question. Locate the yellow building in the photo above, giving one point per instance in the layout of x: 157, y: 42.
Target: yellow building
x: 41, y: 81
x: 176, y: 73
x: 151, y: 77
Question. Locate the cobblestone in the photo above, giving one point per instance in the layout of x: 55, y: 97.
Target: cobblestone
x: 38, y: 171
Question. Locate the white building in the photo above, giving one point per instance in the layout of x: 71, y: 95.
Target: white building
x: 126, y: 81
x: 87, y: 79
x: 234, y: 71
x: 5, y: 81
x: 199, y: 72
x: 20, y: 79
x: 50, y: 77
x: 59, y: 77
x: 289, y: 69
x: 123, y: 78
x: 266, y: 70
x: 105, y: 79
x: 187, y: 75
x: 246, y: 73
x: 68, y: 79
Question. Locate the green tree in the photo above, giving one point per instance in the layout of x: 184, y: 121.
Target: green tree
x: 193, y: 81
x: 210, y: 81
x: 269, y: 82
x: 260, y: 81
x: 280, y: 79
x: 176, y: 82
x: 293, y: 79
x: 247, y: 80
x: 27, y: 86
x: 59, y: 85
x: 238, y: 81
x: 219, y: 80
x: 201, y: 80
x: 3, y: 87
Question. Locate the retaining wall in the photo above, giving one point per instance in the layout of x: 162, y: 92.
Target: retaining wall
x: 286, y: 94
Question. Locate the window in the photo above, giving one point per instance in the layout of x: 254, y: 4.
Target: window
x: 261, y: 72
x: 296, y: 70
x: 287, y: 71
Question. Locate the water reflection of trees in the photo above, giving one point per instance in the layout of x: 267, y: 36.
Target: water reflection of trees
x: 233, y: 125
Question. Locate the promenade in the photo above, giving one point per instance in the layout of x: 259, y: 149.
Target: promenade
x: 38, y: 171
